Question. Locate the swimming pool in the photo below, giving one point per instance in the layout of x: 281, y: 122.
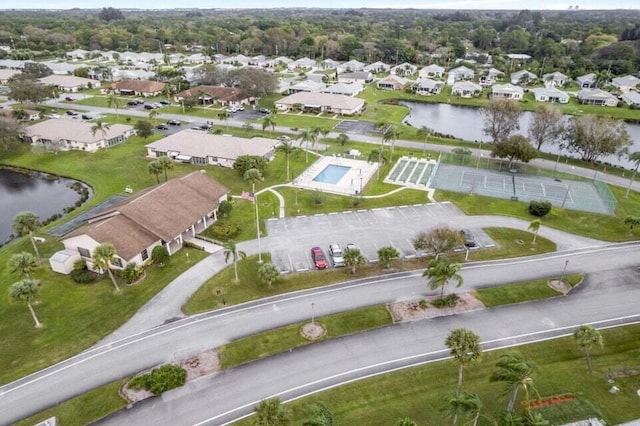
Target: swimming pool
x: 331, y: 174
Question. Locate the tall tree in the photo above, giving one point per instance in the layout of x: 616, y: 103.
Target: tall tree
x: 464, y: 346
x: 270, y: 412
x: 514, y: 147
x: 306, y: 136
x: 100, y: 127
x: 26, y: 291
x: 388, y: 255
x: 342, y: 138
x: 587, y: 338
x: 424, y: 132
x: 267, y: 122
x: 391, y: 136
x: 27, y: 223
x: 593, y: 136
x: 438, y: 240
x: 144, y: 129
x: 634, y: 157
x: 103, y: 256
x: 10, y: 130
x: 501, y: 119
x: 24, y: 263
x: 166, y: 163
x: 224, y: 116
x: 534, y: 227
x: 153, y: 113
x: 513, y: 370
x: 354, y: 258
x: 114, y: 102
x: 466, y: 404
x: 546, y: 126
x: 231, y: 251
x: 155, y: 169
x: 441, y: 271
x: 287, y: 148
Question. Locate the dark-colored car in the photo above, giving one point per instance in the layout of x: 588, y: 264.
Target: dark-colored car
x: 162, y: 126
x: 71, y: 113
x: 86, y: 117
x: 132, y: 103
x: 469, y: 241
x: 318, y: 257
x: 69, y: 99
x: 148, y: 106
x: 165, y: 102
x: 174, y: 122
x: 265, y: 111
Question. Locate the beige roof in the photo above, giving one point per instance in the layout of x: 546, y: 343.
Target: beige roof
x: 74, y: 130
x: 66, y: 81
x: 228, y: 94
x: 141, y: 86
x: 322, y: 99
x: 161, y: 212
x: 197, y: 143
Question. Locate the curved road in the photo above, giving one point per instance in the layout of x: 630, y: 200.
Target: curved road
x: 613, y: 294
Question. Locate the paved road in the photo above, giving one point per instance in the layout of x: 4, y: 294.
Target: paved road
x: 614, y: 296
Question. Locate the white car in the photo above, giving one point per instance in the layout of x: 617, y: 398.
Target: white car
x: 283, y: 138
x: 335, y: 252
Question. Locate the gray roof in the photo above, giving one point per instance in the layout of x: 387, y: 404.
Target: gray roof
x: 309, y: 85
x: 322, y: 99
x: 550, y: 92
x: 594, y: 94
x: 627, y: 80
x: 631, y: 98
x: 465, y: 85
x: 587, y: 78
x: 74, y: 130
x: 66, y: 81
x: 360, y: 75
x: 507, y: 88
x: 344, y: 88
x: 427, y: 83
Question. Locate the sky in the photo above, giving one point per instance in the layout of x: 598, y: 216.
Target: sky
x: 398, y: 4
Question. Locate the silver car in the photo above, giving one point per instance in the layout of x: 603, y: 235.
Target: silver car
x: 335, y: 252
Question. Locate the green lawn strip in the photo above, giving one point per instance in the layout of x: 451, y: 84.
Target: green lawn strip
x: 84, y: 409
x: 418, y: 392
x: 305, y: 121
x: 522, y: 291
x: 512, y: 243
x: 593, y: 225
x: 576, y: 409
x: 281, y: 339
x: 75, y: 316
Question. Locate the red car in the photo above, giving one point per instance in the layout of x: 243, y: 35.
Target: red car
x: 319, y: 259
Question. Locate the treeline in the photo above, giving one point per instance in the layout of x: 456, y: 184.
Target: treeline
x: 571, y: 41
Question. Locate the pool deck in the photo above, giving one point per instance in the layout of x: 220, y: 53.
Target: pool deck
x: 351, y: 183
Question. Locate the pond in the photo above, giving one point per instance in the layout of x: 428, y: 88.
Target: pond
x: 45, y: 195
x: 466, y: 123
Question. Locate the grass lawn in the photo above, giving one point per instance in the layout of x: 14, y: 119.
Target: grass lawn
x: 280, y: 339
x: 559, y: 368
x: 522, y: 291
x: 512, y: 243
x: 304, y: 121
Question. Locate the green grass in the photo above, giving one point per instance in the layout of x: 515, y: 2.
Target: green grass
x: 522, y: 291
x: 75, y: 316
x: 418, y: 392
x: 83, y: 409
x: 280, y: 339
x: 512, y: 243
x: 305, y: 121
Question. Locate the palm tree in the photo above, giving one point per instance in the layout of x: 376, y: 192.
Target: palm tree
x: 534, y: 227
x: 318, y: 414
x: 268, y: 121
x: 231, y: 251
x: 155, y: 169
x: 535, y: 419
x: 466, y: 403
x: 390, y: 135
x: 26, y: 223
x: 440, y: 271
x: 634, y: 157
x: 24, y: 262
x: 100, y: 127
x: 306, y: 136
x: 464, y: 346
x: 103, y: 256
x: 343, y: 138
x: 319, y: 132
x: 224, y: 116
x: 406, y: 421
x: 424, y: 132
x: 602, y: 78
x: 268, y: 273
x: 377, y: 155
x: 26, y: 291
x: 354, y: 258
x: 288, y: 148
x: 165, y: 163
x: 114, y: 102
x: 515, y: 372
x: 270, y: 412
x: 153, y: 114
x: 587, y: 338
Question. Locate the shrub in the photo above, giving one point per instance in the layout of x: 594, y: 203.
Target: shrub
x: 539, y: 208
x: 423, y: 304
x: 225, y: 208
x: 246, y: 162
x: 160, y: 379
x: 160, y: 255
x: 80, y: 274
x: 224, y: 229
x: 449, y: 301
x: 131, y: 272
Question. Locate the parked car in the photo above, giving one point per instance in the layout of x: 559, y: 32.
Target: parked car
x: 174, y: 122
x: 139, y: 101
x: 162, y: 126
x: 349, y: 247
x: 71, y: 113
x: 69, y: 99
x: 336, y: 255
x: 231, y: 110
x: 283, y: 138
x: 469, y: 241
x: 319, y: 259
x: 264, y: 111
x: 132, y: 103
x: 86, y: 117
x: 148, y: 106
x: 165, y: 102
x: 240, y: 108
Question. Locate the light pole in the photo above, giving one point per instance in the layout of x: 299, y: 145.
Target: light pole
x: 514, y: 197
x: 566, y: 263
x: 478, y: 156
x: 255, y: 200
x: 313, y: 318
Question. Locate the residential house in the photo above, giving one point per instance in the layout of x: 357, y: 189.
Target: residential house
x: 226, y: 96
x: 550, y: 94
x: 164, y: 215
x: 555, y: 79
x: 66, y: 134
x: 392, y: 82
x: 351, y: 66
x: 507, y: 91
x: 282, y: 60
x: 460, y: 73
x: 196, y: 58
x: 62, y: 68
x: 330, y: 64
x: 523, y: 77
x: 490, y: 76
x: 302, y: 64
x: 361, y: 77
x: 427, y: 86
x: 118, y: 74
x: 587, y: 81
x: 377, y: 67
x: 77, y: 54
x: 404, y: 70
x: 518, y: 56
x: 626, y: 83
x: 631, y: 98
x: 347, y: 89
x: 597, y: 97
x: 138, y: 87
x: 465, y: 89
x: 29, y: 114
x: 306, y: 86
x: 67, y: 83
x: 432, y: 70
x: 5, y: 75
x: 321, y: 102
x: 205, y: 149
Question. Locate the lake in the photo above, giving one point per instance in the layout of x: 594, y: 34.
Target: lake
x: 466, y: 123
x: 41, y: 193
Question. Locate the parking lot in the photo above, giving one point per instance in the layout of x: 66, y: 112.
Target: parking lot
x: 291, y: 238
x: 359, y: 127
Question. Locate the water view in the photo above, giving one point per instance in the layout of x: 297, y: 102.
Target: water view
x: 467, y: 122
x: 41, y: 193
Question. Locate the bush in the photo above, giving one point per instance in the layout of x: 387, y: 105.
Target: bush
x: 131, y: 272
x: 160, y: 379
x: 449, y: 301
x: 539, y: 208
x: 160, y: 255
x: 423, y: 304
x: 225, y: 208
x: 246, y: 162
x: 80, y: 274
x: 224, y: 229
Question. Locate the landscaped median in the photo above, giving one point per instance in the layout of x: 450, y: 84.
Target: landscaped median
x: 526, y: 291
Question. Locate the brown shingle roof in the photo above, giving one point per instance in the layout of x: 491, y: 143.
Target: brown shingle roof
x: 141, y: 86
x: 219, y: 92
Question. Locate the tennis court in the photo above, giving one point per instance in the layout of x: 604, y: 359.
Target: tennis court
x: 571, y: 194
